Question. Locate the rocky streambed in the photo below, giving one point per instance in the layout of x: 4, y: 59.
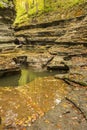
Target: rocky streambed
x: 70, y: 64
x: 57, y: 102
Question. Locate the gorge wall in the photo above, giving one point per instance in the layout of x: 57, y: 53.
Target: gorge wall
x: 62, y: 31
x: 43, y: 11
x: 6, y: 21
x: 61, y: 28
x: 51, y: 22
x: 43, y: 21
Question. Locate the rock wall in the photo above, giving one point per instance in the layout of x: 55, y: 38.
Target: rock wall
x: 6, y: 20
x: 40, y: 11
x: 71, y: 31
x: 44, y: 22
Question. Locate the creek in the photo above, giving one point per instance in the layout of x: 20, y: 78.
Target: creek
x: 27, y: 75
x: 26, y: 97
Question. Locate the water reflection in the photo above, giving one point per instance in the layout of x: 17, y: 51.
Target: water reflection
x: 29, y: 102
x: 9, y: 80
x: 26, y: 76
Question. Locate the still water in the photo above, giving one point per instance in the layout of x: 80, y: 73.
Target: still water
x: 27, y: 75
x: 22, y: 105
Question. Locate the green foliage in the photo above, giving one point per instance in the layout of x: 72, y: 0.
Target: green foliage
x: 5, y: 3
x: 32, y: 8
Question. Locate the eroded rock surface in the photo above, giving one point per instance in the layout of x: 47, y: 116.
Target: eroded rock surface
x: 6, y: 19
x: 70, y: 31
x: 75, y: 57
x: 59, y: 45
x: 8, y: 66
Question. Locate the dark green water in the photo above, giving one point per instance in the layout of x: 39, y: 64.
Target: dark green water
x: 26, y: 76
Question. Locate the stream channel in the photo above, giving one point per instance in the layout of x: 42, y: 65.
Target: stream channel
x: 28, y: 96
x: 27, y: 75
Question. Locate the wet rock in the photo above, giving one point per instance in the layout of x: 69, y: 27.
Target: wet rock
x: 8, y: 67
x: 57, y: 64
x: 77, y: 78
x: 21, y: 60
x: 61, y: 118
x: 73, y: 77
x: 9, y: 71
x: 77, y: 61
x: 78, y: 70
x: 78, y: 97
x: 39, y: 61
x: 59, y: 67
x: 60, y: 76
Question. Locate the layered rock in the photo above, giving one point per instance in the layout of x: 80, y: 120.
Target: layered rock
x: 57, y: 64
x: 8, y: 66
x: 36, y: 61
x: 71, y: 31
x: 75, y: 57
x: 65, y: 40
x: 43, y: 11
x: 6, y: 20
